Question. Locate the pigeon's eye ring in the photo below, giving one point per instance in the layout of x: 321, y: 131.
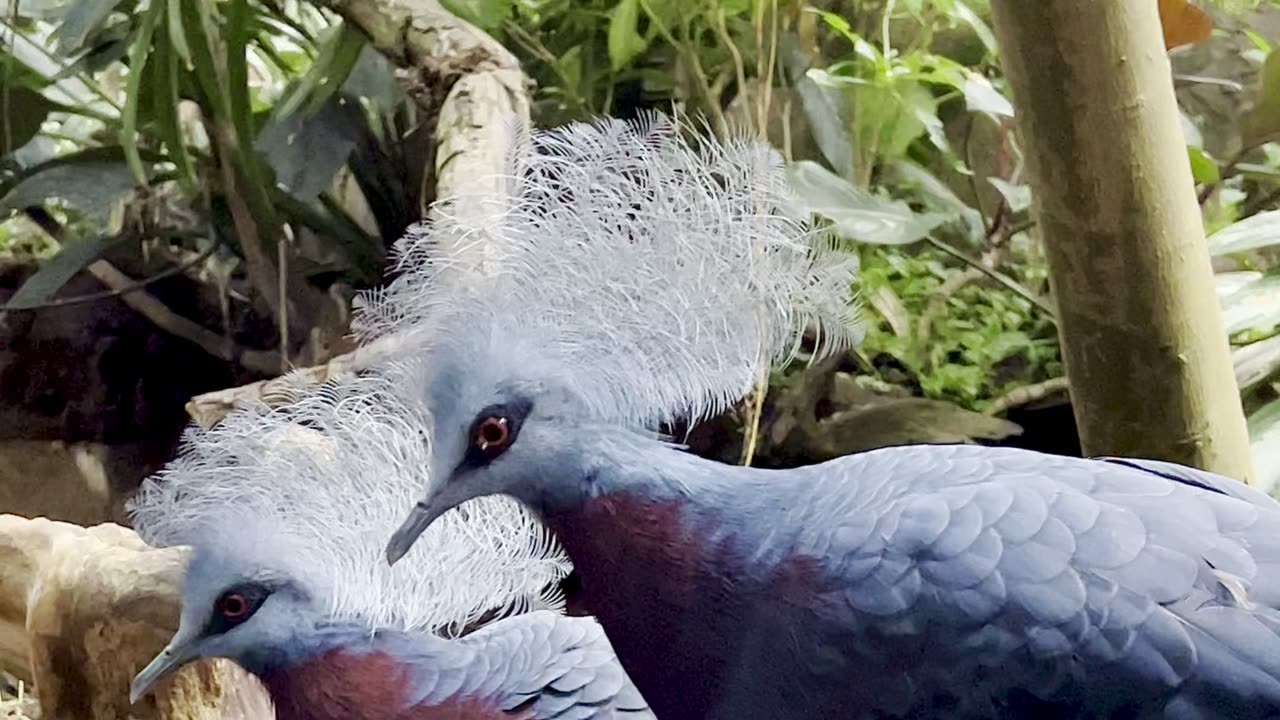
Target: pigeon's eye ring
x: 234, y: 607
x: 492, y: 435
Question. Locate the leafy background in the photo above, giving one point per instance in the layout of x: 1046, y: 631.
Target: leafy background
x: 192, y: 190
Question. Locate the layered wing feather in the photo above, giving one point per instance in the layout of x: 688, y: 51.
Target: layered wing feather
x: 976, y: 582
x: 539, y: 665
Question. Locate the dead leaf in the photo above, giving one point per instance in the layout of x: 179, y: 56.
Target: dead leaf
x: 1184, y: 23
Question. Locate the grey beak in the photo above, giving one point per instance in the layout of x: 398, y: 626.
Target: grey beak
x: 164, y: 664
x: 420, y: 518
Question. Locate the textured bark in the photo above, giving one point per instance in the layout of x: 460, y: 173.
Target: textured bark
x: 84, y: 609
x: 1142, y: 335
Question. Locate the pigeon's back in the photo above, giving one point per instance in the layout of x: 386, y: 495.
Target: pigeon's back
x: 961, y: 581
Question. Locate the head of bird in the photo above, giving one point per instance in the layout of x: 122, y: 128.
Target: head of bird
x: 494, y: 431
x: 244, y: 614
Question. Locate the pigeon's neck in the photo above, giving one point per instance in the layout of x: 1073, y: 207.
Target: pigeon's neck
x: 340, y: 671
x: 668, y: 566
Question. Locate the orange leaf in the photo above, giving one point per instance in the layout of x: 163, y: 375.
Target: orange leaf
x: 1184, y: 23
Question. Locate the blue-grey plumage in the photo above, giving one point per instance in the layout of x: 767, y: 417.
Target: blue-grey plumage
x: 639, y: 277
x: 538, y: 665
x: 927, y: 581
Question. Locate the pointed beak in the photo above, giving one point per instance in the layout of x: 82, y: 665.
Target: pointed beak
x: 168, y: 661
x: 420, y: 518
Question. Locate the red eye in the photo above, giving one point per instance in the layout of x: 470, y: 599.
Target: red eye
x: 233, y: 606
x: 492, y: 434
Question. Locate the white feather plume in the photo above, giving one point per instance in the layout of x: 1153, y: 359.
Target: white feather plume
x: 314, y: 488
x: 654, y: 275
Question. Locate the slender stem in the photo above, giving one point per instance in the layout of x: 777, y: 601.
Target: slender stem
x: 996, y: 275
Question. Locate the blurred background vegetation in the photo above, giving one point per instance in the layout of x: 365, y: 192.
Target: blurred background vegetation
x: 191, y: 191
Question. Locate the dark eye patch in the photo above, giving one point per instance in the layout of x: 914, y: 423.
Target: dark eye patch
x: 234, y: 606
x: 494, y: 429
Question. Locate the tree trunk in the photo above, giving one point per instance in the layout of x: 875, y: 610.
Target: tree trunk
x: 1142, y: 334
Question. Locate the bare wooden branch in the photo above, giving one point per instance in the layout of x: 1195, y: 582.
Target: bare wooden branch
x: 162, y: 317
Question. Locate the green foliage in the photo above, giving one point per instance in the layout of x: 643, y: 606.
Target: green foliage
x: 967, y: 345
x: 244, y: 111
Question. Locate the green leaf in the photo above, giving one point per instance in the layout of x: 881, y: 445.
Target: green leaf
x: 1256, y: 362
x: 1017, y: 197
x: 1262, y: 122
x: 1264, y: 442
x: 177, y: 33
x: 339, y: 52
x: 58, y: 271
x: 22, y: 112
x: 14, y: 73
x: 374, y: 79
x: 1259, y: 231
x: 237, y: 39
x: 856, y: 214
x: 165, y: 98
x: 484, y: 14
x: 625, y: 40
x: 1255, y: 306
x: 78, y: 24
x: 981, y: 96
x: 201, y: 30
x: 826, y: 110
x: 90, y: 181
x: 980, y: 28
x: 52, y: 11
x: 306, y: 150
x: 139, y: 49
x: 1203, y: 168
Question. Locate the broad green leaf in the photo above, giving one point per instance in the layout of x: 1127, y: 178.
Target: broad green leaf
x: 90, y: 182
x: 825, y: 107
x: 305, y: 150
x: 1226, y: 283
x: 1255, y: 306
x: 1256, y: 362
x: 910, y: 174
x: 625, y: 40
x: 1017, y: 197
x: 837, y: 23
x: 980, y: 28
x: 52, y: 11
x: 890, y: 118
x: 1259, y: 231
x: 58, y: 271
x: 981, y: 96
x: 1203, y: 168
x: 108, y: 51
x: 374, y: 79
x: 79, y: 23
x: 484, y: 14
x: 857, y: 214
x: 16, y: 73
x: 22, y: 112
x: 1264, y: 442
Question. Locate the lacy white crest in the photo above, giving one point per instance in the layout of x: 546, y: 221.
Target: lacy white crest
x: 313, y: 490
x: 657, y: 275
